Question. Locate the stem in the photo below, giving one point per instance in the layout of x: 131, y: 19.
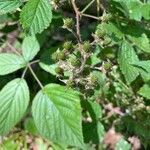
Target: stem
x: 13, y: 49
x: 98, y: 7
x: 35, y: 61
x: 24, y: 72
x: 90, y: 16
x: 74, y: 34
x: 35, y: 77
x: 87, y: 6
x: 77, y: 20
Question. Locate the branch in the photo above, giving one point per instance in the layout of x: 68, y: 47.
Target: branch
x: 77, y: 20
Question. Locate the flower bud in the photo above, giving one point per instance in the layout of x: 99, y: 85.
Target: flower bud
x: 87, y: 46
x: 59, y: 70
x: 68, y: 45
x: 61, y: 56
x: 70, y: 83
x: 68, y: 23
x: 75, y: 62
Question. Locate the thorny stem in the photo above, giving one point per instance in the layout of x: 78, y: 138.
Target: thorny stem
x: 35, y: 77
x: 77, y: 20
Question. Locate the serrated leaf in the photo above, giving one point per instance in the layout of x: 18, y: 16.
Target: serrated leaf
x: 144, y: 69
x: 14, y: 99
x: 141, y: 42
x: 145, y: 91
x: 126, y: 58
x: 10, y: 63
x: 7, y: 6
x: 131, y: 8
x: 30, y: 48
x: 122, y: 145
x: 36, y: 16
x: 53, y: 110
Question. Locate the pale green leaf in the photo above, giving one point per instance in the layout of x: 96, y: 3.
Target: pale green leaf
x: 131, y: 8
x: 10, y: 63
x: 146, y: 11
x: 57, y: 115
x: 126, y: 58
x: 30, y: 48
x: 144, y: 69
x: 14, y: 99
x: 145, y: 91
x: 36, y: 16
x: 123, y: 145
x: 141, y: 42
x: 7, y: 6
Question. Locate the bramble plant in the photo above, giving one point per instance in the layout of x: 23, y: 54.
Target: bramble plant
x: 91, y: 68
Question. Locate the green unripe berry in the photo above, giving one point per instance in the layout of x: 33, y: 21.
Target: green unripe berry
x: 75, y: 62
x: 94, y: 80
x: 107, y: 17
x: 100, y: 32
x: 107, y: 65
x: 70, y: 83
x: 61, y: 56
x: 87, y: 46
x: 68, y: 23
x: 54, y: 56
x: 59, y: 70
x: 107, y: 41
x: 68, y: 45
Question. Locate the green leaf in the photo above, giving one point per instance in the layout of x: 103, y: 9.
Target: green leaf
x: 57, y: 115
x: 144, y: 69
x: 36, y: 16
x: 145, y: 91
x: 146, y: 11
x: 131, y: 8
x: 30, y: 48
x: 141, y: 42
x: 10, y: 63
x: 30, y: 126
x: 123, y: 145
x: 14, y: 99
x: 126, y: 58
x: 7, y: 6
x: 97, y: 129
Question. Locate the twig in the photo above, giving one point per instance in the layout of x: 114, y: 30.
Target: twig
x: 87, y: 6
x: 77, y: 20
x: 90, y: 16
